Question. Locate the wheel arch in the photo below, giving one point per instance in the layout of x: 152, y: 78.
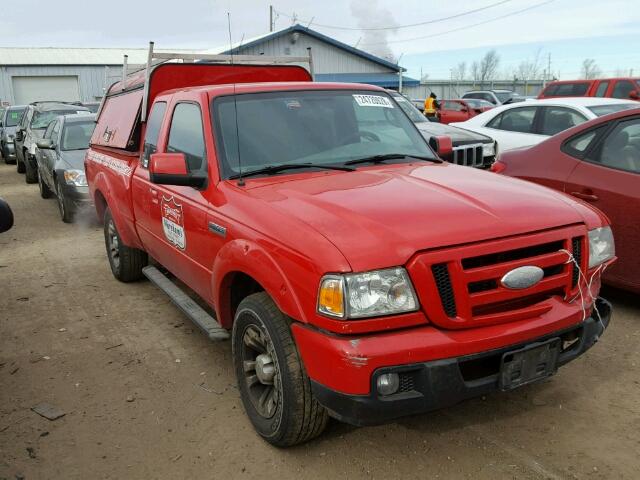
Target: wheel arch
x: 242, y: 268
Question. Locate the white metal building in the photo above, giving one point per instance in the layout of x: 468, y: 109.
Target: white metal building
x: 82, y: 74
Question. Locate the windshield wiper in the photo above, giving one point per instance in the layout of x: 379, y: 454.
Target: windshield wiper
x: 272, y: 169
x: 389, y: 156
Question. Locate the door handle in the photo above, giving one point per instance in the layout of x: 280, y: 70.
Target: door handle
x: 154, y: 195
x: 589, y: 197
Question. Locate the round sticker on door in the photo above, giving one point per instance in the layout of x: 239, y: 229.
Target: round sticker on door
x: 173, y: 222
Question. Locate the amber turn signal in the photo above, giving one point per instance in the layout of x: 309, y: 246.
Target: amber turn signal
x: 331, y: 296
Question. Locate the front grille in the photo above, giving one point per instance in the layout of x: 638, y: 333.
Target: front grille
x: 577, y: 255
x: 468, y: 155
x: 467, y: 279
x: 443, y: 283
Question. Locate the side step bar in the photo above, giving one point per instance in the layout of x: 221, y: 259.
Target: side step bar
x: 191, y: 309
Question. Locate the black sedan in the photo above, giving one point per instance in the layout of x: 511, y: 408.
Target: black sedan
x: 469, y: 148
x: 60, y: 158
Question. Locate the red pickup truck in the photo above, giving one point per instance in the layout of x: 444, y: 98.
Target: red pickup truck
x: 359, y: 276
x: 625, y: 88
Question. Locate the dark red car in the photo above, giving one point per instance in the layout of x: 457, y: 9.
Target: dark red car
x: 599, y: 163
x: 461, y: 110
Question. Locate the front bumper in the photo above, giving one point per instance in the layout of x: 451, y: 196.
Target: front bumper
x: 78, y: 195
x: 439, y: 383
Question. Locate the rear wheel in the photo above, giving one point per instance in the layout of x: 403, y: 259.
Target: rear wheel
x: 45, y: 191
x: 31, y: 174
x: 274, y: 387
x: 126, y: 262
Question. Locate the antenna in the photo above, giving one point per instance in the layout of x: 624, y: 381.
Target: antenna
x: 235, y: 106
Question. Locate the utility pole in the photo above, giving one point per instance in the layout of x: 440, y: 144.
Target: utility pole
x: 549, y: 65
x: 271, y: 18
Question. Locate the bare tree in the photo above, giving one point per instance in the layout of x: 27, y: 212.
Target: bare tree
x: 489, y: 65
x: 459, y: 72
x: 529, y: 69
x: 590, y: 69
x: 475, y: 71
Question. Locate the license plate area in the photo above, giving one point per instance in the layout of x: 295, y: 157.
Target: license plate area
x: 529, y: 364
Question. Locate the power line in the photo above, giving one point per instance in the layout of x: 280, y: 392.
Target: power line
x: 462, y: 28
x: 428, y: 22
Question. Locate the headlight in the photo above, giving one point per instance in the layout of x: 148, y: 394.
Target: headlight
x: 75, y: 177
x: 601, y: 246
x: 489, y: 149
x: 369, y: 294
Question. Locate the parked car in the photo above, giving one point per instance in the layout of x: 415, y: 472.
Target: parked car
x: 461, y: 110
x: 359, y: 275
x: 34, y: 122
x: 6, y: 216
x: 627, y: 88
x: 8, y: 122
x: 599, y: 163
x: 60, y: 162
x: 495, y: 97
x: 468, y: 148
x: 529, y: 123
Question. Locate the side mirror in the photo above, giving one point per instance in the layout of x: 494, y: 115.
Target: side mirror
x: 45, y: 144
x: 633, y: 95
x: 171, y: 169
x: 6, y: 216
x: 443, y: 145
x: 464, y: 109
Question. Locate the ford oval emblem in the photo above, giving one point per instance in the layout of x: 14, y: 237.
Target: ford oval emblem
x: 522, y: 277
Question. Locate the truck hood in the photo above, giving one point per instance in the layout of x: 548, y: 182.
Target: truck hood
x: 458, y: 135
x: 380, y: 216
x: 72, y: 159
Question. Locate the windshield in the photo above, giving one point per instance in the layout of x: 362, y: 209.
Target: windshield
x: 409, y: 108
x: 43, y: 119
x: 312, y: 126
x: 504, y: 96
x: 601, y: 110
x: 13, y: 116
x: 76, y: 135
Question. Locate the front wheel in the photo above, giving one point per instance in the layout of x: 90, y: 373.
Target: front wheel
x: 45, y: 191
x: 65, y: 206
x: 274, y: 387
x: 126, y: 262
x: 30, y: 173
x: 20, y: 164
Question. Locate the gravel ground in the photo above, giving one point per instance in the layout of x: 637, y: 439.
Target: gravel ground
x: 147, y: 396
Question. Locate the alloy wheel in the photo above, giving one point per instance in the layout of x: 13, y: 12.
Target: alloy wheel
x: 114, y: 245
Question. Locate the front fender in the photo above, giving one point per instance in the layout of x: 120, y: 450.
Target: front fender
x: 243, y: 256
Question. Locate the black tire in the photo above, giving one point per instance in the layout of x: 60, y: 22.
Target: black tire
x: 65, y: 206
x: 126, y: 262
x: 30, y: 173
x: 45, y: 191
x: 20, y: 164
x: 284, y: 412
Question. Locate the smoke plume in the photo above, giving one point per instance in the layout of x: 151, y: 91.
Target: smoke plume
x: 370, y: 14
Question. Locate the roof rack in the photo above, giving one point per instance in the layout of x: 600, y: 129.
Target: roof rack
x: 157, y: 58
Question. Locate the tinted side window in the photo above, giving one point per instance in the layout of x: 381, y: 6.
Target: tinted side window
x: 602, y: 89
x: 153, y: 131
x: 187, y: 136
x: 622, y: 89
x: 557, y: 119
x: 576, y: 89
x: 515, y: 120
x: 621, y: 147
x: 579, y: 144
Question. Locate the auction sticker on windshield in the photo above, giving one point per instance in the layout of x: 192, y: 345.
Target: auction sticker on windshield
x: 173, y: 222
x: 373, y: 101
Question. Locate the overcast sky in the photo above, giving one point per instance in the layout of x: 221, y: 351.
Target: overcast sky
x: 571, y: 30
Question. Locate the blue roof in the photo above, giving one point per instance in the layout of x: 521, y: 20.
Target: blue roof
x: 321, y: 37
x: 386, y: 80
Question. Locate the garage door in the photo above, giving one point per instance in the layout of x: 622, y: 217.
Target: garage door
x: 32, y: 89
